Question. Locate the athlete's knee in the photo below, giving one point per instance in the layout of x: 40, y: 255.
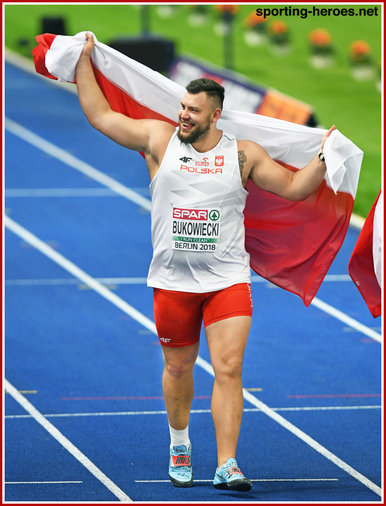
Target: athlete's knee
x: 177, y: 370
x: 180, y: 363
x: 228, y: 367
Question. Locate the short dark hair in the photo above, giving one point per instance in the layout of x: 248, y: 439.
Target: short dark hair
x: 210, y: 87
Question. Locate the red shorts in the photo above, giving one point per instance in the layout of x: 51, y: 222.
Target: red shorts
x: 179, y: 315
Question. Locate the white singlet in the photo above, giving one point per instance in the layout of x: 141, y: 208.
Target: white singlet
x: 197, y: 219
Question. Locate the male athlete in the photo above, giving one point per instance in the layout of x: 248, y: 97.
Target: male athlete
x: 200, y: 269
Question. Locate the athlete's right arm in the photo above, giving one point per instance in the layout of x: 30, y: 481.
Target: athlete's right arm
x: 131, y: 133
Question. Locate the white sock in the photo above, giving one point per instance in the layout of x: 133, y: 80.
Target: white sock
x: 179, y: 437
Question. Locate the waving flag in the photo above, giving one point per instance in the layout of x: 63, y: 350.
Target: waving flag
x: 291, y: 244
x: 365, y: 266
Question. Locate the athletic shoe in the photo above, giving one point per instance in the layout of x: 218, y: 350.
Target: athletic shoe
x: 229, y: 476
x: 180, y: 466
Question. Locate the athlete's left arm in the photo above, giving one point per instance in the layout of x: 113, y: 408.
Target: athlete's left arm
x: 257, y: 165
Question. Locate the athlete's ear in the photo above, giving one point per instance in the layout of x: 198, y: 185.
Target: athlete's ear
x: 216, y: 114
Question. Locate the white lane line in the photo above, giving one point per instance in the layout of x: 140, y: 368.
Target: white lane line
x: 252, y: 479
x: 147, y: 323
x: 73, y: 281
x: 135, y: 281
x: 42, y: 482
x: 64, y: 192
x: 58, y: 192
x: 66, y: 443
x: 194, y: 411
x: 337, y: 278
x: 75, y: 163
x: 124, y: 191
x: 343, y: 317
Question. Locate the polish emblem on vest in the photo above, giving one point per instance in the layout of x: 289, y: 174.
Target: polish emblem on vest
x: 219, y: 161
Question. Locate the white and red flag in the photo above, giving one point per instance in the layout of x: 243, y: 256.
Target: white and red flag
x: 365, y: 266
x: 291, y: 244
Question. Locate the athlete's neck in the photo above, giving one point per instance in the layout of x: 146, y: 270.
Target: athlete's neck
x: 208, y: 141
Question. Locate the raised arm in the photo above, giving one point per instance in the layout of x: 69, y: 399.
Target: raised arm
x: 139, y: 135
x: 256, y: 164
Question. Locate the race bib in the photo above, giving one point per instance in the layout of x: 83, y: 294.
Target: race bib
x: 195, y: 229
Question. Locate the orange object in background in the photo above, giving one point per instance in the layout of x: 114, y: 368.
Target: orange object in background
x: 276, y: 105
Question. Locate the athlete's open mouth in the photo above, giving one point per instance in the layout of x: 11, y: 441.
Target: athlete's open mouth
x: 187, y: 126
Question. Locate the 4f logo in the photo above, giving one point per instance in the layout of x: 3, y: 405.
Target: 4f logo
x: 219, y: 161
x: 185, y: 159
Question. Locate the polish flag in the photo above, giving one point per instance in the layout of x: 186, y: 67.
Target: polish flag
x: 365, y: 266
x: 291, y: 244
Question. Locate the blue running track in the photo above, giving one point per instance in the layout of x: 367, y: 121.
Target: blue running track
x: 84, y: 416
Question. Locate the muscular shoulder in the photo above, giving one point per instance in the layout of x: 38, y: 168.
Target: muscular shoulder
x: 251, y: 148
x: 248, y: 156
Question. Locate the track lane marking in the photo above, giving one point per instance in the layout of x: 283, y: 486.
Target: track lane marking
x: 83, y: 167
x: 72, y: 161
x: 343, y: 317
x: 65, y: 192
x: 147, y: 323
x: 66, y: 443
x: 59, y: 482
x: 252, y: 479
x: 330, y: 396
x: 333, y: 278
x: 194, y: 411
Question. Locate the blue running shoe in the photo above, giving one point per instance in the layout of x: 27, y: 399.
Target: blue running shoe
x: 229, y: 477
x: 180, y: 466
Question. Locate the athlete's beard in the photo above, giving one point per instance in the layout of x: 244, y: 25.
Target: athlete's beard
x: 193, y: 136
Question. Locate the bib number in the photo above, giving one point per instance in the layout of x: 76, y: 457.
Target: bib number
x: 195, y: 229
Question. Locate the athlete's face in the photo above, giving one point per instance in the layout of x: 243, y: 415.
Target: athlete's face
x: 195, y: 117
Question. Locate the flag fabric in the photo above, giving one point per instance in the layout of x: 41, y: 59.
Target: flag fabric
x: 365, y: 266
x: 291, y: 244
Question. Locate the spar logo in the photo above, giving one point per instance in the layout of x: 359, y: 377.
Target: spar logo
x: 195, y: 214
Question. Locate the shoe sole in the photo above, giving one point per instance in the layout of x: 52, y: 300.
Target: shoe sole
x: 178, y: 483
x: 238, y: 485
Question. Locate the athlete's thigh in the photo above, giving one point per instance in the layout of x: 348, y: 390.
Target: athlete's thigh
x: 178, y: 317
x: 236, y: 300
x: 227, y: 340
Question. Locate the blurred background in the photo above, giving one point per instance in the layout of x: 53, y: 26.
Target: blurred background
x: 317, y: 69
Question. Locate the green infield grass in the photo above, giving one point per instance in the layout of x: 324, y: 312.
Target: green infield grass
x: 354, y: 106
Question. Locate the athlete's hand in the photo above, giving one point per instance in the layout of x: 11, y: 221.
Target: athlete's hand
x: 89, y: 45
x: 326, y: 135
